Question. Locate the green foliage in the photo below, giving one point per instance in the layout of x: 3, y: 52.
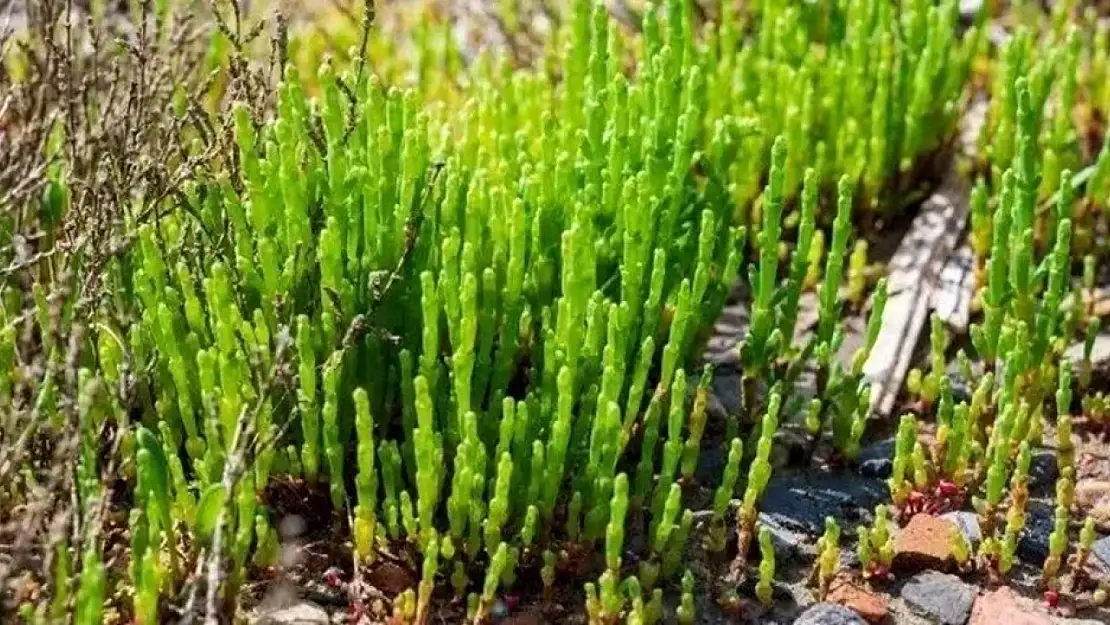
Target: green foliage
x: 843, y: 397
x: 463, y: 296
x: 1067, y: 89
x: 91, y: 589
x: 477, y: 308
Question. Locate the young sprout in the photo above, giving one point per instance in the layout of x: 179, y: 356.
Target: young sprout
x: 654, y: 608
x: 900, y: 485
x: 614, y: 535
x: 864, y: 550
x: 1090, y: 335
x: 921, y: 474
x: 758, y: 475
x: 427, y: 580
x: 882, y: 539
x: 685, y: 612
x: 547, y: 572
x: 365, y: 521
x: 1087, y: 536
x: 498, y: 562
x: 91, y: 588
x: 980, y: 236
x: 1015, y: 515
x: 1065, y: 447
x: 610, y: 597
x: 763, y: 588
x: 676, y: 545
x: 961, y: 549
x: 1065, y: 488
x: 1057, y: 548
x: 715, y: 540
x: 404, y: 607
x: 816, y: 254
x: 637, y: 612
x: 828, y: 556
x: 928, y: 385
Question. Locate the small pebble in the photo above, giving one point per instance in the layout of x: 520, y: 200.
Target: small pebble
x: 829, y: 614
x: 940, y: 597
x: 877, y: 460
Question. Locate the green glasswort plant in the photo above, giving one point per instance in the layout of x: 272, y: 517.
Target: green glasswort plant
x: 828, y: 557
x: 764, y: 588
x: 462, y: 309
x: 479, y: 314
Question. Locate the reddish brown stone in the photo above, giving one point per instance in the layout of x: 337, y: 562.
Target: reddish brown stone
x: 860, y: 599
x: 390, y: 578
x: 1005, y: 607
x: 925, y: 543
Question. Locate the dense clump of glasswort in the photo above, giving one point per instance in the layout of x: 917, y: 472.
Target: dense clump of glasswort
x: 1067, y: 99
x: 477, y: 308
x: 469, y: 311
x: 1031, y: 310
x: 866, y: 89
x: 882, y: 92
x: 768, y: 351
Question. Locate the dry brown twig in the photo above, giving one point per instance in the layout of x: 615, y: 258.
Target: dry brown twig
x: 100, y: 89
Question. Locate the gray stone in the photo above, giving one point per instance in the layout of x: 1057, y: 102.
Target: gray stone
x: 960, y: 387
x: 939, y: 597
x: 968, y: 522
x: 711, y: 464
x: 849, y: 559
x: 800, y: 503
x: 794, y: 508
x: 1043, y: 473
x: 716, y: 408
x: 301, y: 614
x: 877, y: 459
x: 789, y: 544
x: 792, y: 443
x: 728, y: 332
x: 1039, y: 523
x: 1101, y: 550
x: 726, y: 391
x: 829, y: 614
